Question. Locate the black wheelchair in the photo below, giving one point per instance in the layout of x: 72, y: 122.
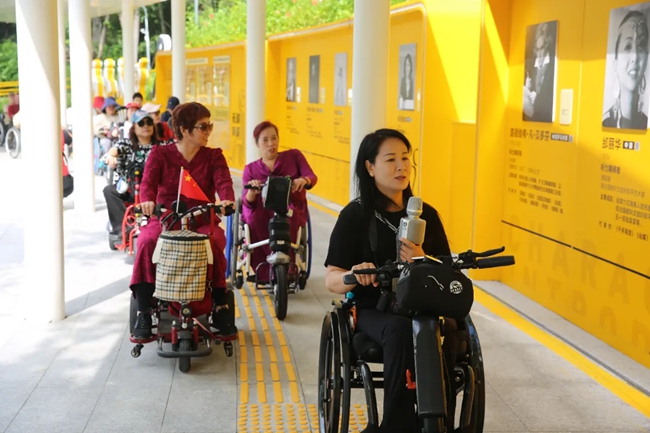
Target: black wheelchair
x: 284, y: 275
x: 427, y: 290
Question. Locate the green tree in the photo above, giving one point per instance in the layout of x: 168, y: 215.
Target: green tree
x: 227, y: 22
x: 9, y: 60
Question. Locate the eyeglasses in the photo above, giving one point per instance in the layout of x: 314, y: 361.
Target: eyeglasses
x: 204, y: 127
x: 145, y: 122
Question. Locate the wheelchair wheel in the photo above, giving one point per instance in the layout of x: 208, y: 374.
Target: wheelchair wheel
x: 228, y: 252
x: 12, y: 142
x: 329, y: 376
x: 133, y: 313
x: 281, y: 291
x: 3, y: 130
x: 476, y: 362
x: 185, y: 362
x: 309, y: 242
x: 236, y: 279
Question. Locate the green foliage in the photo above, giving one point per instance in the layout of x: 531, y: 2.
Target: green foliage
x: 228, y: 22
x: 8, y: 60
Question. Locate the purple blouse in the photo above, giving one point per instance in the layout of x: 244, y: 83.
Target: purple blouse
x: 208, y: 168
x: 290, y: 163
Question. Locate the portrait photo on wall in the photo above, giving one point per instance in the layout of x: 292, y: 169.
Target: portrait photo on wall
x: 625, y: 100
x: 291, y: 79
x: 314, y: 79
x: 340, y: 79
x: 540, y: 71
x: 406, y: 96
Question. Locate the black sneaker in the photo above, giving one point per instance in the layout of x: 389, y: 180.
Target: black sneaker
x: 142, y: 328
x: 223, y: 314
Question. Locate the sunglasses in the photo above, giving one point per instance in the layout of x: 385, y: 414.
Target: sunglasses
x: 145, y: 122
x: 204, y: 127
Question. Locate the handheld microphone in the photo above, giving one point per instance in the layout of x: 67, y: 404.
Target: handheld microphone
x: 411, y: 226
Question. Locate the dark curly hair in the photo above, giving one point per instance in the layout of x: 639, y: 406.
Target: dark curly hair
x: 186, y: 116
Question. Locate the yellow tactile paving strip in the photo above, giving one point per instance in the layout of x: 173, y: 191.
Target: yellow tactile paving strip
x: 270, y: 399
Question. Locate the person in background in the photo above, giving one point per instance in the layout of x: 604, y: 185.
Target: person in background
x: 290, y: 163
x: 102, y: 123
x: 172, y: 103
x: 98, y: 105
x: 133, y: 149
x: 164, y: 130
x: 138, y: 99
x: 131, y: 109
x: 160, y: 185
x: 14, y: 105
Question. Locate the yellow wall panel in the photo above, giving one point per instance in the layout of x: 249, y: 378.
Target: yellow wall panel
x: 449, y: 94
x: 216, y: 77
x: 584, y: 254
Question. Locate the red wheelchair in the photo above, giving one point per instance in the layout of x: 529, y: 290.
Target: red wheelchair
x: 132, y: 216
x: 183, y: 323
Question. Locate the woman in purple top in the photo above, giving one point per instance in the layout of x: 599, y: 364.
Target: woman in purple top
x: 290, y: 163
x: 209, y: 169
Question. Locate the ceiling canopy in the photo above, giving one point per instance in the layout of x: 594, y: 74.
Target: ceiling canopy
x: 97, y: 7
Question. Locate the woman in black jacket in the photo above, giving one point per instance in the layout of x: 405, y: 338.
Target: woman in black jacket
x: 383, y: 170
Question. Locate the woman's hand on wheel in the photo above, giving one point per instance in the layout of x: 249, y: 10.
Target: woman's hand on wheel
x: 409, y: 250
x: 147, y: 208
x: 366, y: 279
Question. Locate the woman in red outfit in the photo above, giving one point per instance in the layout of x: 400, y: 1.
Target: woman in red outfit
x: 290, y: 163
x: 160, y: 183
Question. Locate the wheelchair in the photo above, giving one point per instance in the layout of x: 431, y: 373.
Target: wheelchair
x: 132, y: 216
x: 185, y: 325
x: 427, y: 290
x: 284, y: 276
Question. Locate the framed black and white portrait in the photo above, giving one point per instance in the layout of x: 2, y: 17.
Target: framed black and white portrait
x: 314, y: 79
x: 540, y: 67
x: 406, y: 95
x: 625, y: 99
x: 340, y: 79
x: 291, y: 79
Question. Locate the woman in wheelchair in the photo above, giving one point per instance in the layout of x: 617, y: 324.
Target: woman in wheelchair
x: 383, y: 170
x: 290, y: 163
x: 129, y: 152
x: 160, y: 185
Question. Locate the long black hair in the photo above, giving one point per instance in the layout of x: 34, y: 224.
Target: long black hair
x: 371, y: 198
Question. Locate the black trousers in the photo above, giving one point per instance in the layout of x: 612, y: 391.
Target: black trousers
x: 395, y: 335
x: 116, y: 207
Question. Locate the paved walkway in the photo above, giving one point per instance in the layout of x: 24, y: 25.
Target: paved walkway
x: 78, y: 375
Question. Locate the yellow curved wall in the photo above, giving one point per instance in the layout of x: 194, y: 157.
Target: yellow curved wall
x: 475, y: 157
x: 586, y: 262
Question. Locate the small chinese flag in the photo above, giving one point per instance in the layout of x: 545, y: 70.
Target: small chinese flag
x: 189, y: 188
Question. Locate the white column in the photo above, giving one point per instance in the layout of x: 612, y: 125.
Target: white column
x: 81, y: 86
x: 63, y: 62
x: 178, y: 49
x: 369, y: 73
x: 127, y: 50
x: 38, y: 61
x: 255, y: 69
